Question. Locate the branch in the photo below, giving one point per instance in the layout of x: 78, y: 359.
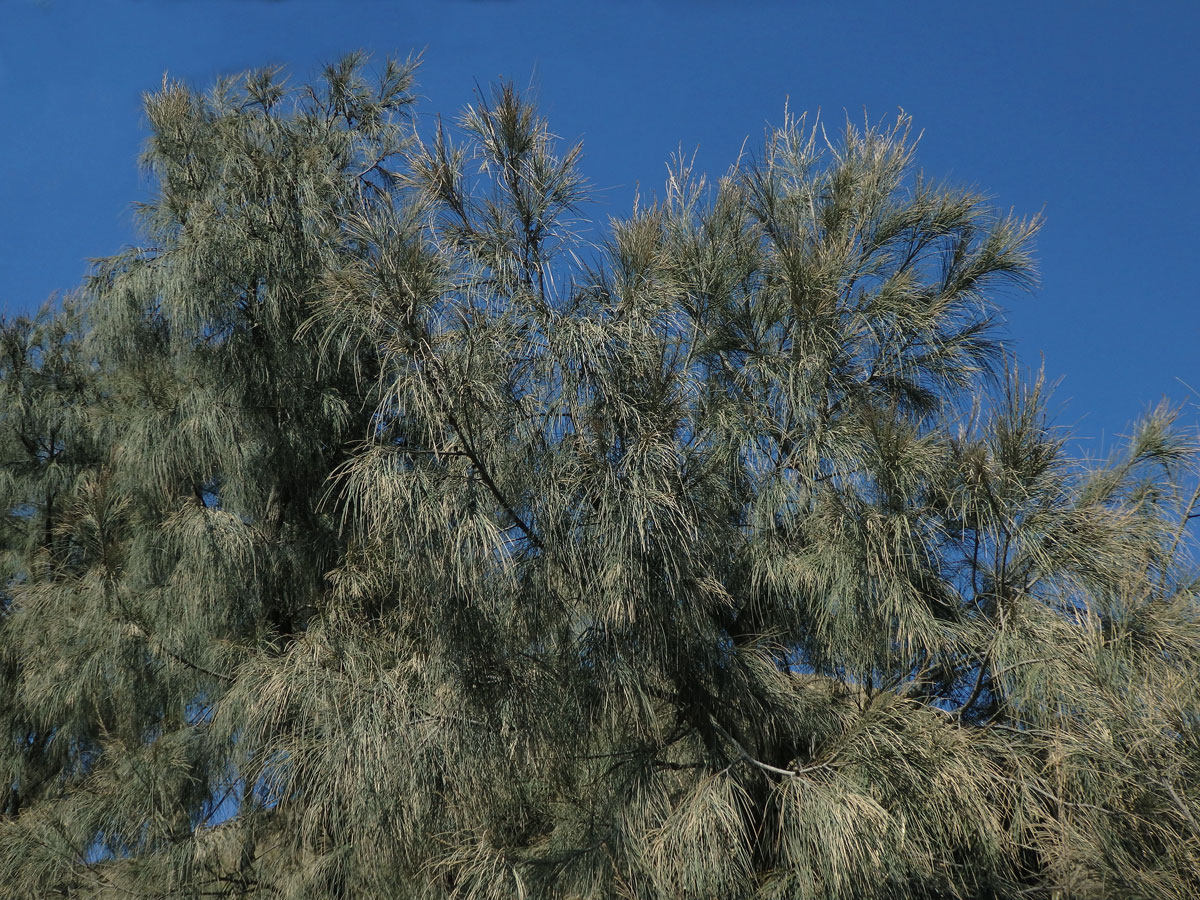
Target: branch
x: 167, y: 651
x: 486, y: 477
x: 467, y: 448
x: 191, y: 665
x: 977, y: 690
x: 1182, y: 807
x: 1021, y: 662
x: 766, y: 767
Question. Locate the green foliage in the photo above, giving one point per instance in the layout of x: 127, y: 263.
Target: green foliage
x: 368, y: 534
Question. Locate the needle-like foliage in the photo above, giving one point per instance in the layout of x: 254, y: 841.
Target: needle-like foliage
x: 379, y: 530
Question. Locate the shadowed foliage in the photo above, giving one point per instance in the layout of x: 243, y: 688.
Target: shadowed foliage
x: 368, y: 532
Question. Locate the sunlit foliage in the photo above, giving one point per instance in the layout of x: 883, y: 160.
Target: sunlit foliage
x: 381, y: 527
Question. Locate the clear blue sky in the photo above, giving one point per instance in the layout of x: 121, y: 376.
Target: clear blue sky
x: 1088, y: 112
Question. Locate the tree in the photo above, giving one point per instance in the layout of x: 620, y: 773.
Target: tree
x: 362, y: 539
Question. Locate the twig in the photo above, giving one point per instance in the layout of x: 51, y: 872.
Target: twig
x: 1024, y: 662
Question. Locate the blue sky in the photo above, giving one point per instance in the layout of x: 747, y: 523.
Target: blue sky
x: 1089, y: 113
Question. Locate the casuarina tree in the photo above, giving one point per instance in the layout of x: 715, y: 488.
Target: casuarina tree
x: 380, y: 527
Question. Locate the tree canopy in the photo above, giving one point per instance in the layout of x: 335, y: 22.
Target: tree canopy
x: 381, y: 527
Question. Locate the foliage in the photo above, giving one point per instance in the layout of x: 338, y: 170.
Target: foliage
x: 369, y: 534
